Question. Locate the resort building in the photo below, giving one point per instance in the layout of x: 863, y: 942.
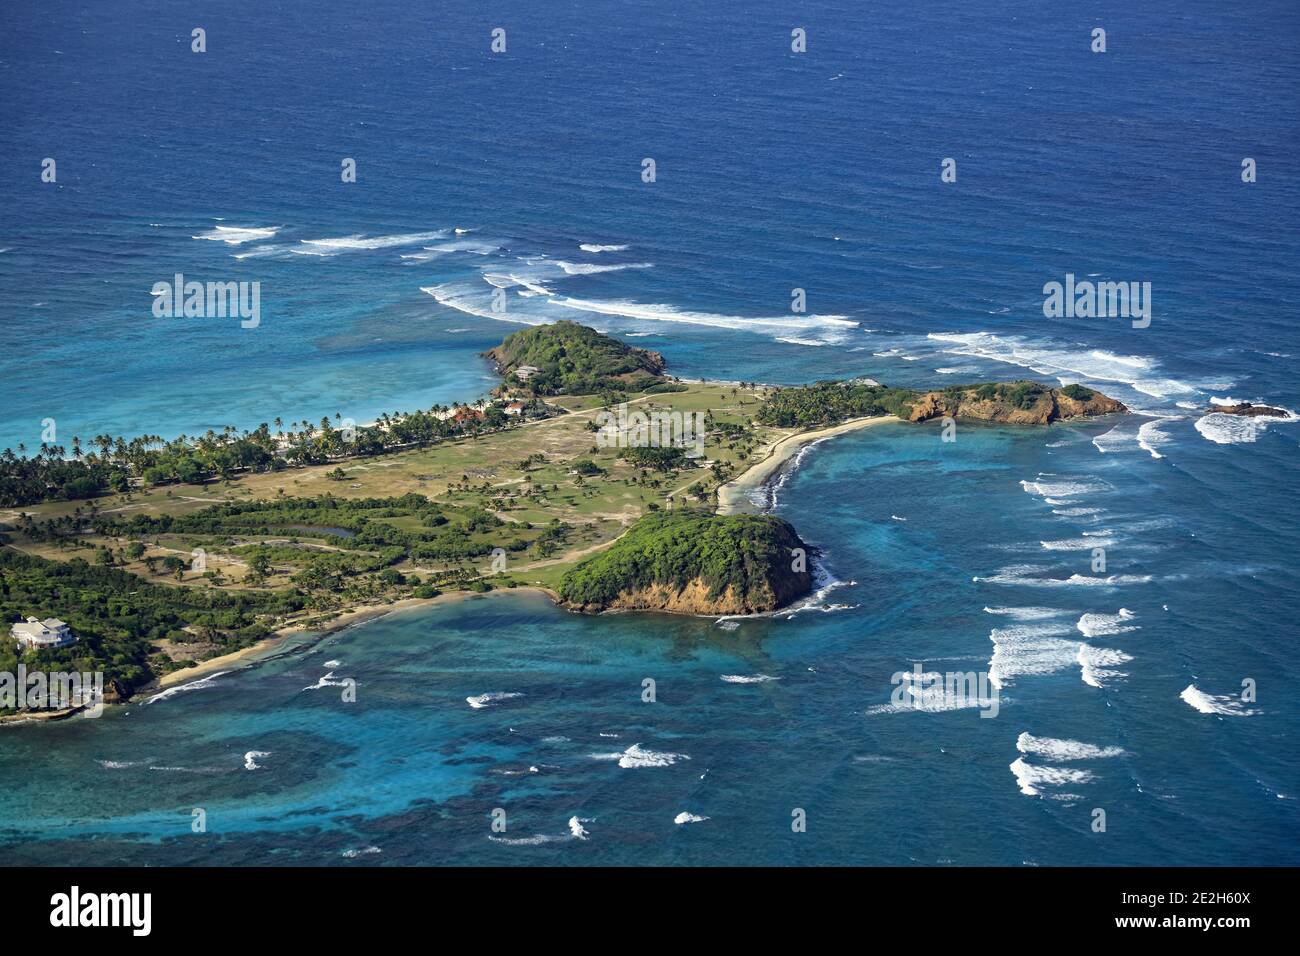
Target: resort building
x: 466, y: 414
x: 525, y: 372
x: 36, y: 634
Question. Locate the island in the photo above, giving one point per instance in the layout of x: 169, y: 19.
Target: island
x: 171, y: 558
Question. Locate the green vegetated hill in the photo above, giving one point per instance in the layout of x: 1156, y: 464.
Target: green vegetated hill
x: 1017, y: 403
x: 694, y: 562
x: 576, y: 360
x: 1023, y: 403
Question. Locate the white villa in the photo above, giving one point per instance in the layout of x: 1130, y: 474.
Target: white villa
x: 525, y: 372
x: 37, y: 634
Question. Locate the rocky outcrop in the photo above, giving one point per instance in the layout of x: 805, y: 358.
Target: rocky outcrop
x: 694, y: 598
x: 1016, y: 403
x: 694, y: 562
x: 1249, y: 410
x: 117, y: 691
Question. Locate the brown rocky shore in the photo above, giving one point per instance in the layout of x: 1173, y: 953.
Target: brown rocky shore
x: 694, y: 597
x: 1249, y: 410
x: 1019, y: 403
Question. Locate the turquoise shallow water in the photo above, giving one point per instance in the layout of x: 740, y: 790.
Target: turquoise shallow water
x: 413, y: 770
x: 775, y: 171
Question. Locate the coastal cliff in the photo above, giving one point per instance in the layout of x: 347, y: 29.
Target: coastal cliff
x: 1015, y: 403
x: 693, y: 562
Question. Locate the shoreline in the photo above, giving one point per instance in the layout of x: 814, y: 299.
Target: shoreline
x: 733, y: 496
x: 731, y: 500
x: 256, y: 653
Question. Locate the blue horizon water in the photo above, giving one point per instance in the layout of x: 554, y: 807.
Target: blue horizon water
x: 775, y: 171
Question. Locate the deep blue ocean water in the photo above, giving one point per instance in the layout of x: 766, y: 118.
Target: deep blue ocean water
x: 775, y: 171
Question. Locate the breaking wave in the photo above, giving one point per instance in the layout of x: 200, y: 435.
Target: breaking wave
x: 1223, y: 705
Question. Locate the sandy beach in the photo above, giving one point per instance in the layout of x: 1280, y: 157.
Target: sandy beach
x: 732, y: 499
x: 733, y: 496
x: 265, y: 647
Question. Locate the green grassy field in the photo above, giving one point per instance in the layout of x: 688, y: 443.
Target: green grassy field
x: 523, y: 476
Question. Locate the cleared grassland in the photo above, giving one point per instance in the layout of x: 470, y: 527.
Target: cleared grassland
x: 523, y: 475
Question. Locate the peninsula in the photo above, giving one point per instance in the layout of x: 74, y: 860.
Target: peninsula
x: 170, y: 556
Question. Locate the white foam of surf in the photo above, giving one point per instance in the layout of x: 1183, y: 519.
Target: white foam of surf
x: 535, y: 840
x: 1028, y: 613
x: 1227, y: 429
x: 748, y: 678
x: 1224, y: 429
x: 1124, y: 437
x: 823, y: 581
x: 1086, y: 543
x: 1064, y: 487
x: 636, y: 757
x: 200, y: 684
x: 488, y: 699
x: 364, y: 851
x: 509, y: 280
x: 594, y: 268
x: 1150, y: 436
x: 438, y: 251
x: 258, y: 252
x: 1025, y: 575
x: 1030, y: 649
x: 250, y: 759
x: 1033, y: 779
x: 360, y: 241
x: 1099, y: 664
x: 1103, y: 625
x: 685, y: 817
x: 832, y: 325
x: 457, y: 297
x: 326, y: 680
x: 594, y: 247
x: 929, y: 693
x: 576, y: 828
x: 1223, y: 705
x: 1135, y: 371
x: 1054, y: 748
x: 235, y: 235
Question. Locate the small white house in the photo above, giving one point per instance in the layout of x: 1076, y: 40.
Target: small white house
x: 36, y: 634
x: 525, y: 372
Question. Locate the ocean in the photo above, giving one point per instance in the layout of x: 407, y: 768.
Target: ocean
x: 522, y: 171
